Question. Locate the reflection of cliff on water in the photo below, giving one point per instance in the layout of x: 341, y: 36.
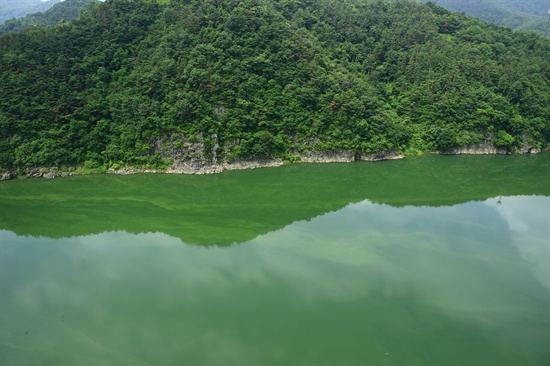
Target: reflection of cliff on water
x: 238, y: 206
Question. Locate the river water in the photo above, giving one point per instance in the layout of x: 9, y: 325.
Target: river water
x: 425, y: 261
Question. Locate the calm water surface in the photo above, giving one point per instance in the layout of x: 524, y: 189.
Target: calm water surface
x: 301, y: 265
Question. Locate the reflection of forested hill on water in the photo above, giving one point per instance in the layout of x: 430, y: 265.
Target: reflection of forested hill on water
x: 240, y: 205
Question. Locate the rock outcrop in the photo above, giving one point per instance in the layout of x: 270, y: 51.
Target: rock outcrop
x: 6, y: 176
x: 383, y: 155
x: 252, y: 164
x: 527, y: 148
x: 478, y: 149
x: 335, y: 156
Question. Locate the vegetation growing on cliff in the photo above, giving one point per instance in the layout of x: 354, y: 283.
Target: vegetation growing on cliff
x: 266, y: 78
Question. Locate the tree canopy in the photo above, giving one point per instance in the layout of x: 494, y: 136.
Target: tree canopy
x: 256, y: 78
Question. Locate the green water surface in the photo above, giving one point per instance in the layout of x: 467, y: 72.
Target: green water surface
x: 438, y: 260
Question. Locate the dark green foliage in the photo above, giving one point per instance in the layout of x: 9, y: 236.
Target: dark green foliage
x: 266, y: 78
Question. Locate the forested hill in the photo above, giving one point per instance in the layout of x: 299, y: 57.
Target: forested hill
x: 19, y: 8
x: 516, y: 14
x: 64, y: 11
x: 140, y: 82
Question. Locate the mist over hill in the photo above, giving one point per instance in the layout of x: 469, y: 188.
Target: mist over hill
x: 516, y: 14
x: 535, y: 7
x: 19, y: 8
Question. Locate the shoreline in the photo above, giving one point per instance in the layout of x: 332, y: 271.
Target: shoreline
x: 203, y: 166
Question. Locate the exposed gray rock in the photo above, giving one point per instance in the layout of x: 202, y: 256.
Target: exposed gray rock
x: 335, y: 156
x: 214, y: 150
x: 50, y: 175
x: 478, y: 149
x: 6, y: 176
x: 189, y: 166
x: 527, y: 148
x: 252, y: 164
x: 383, y: 155
x: 123, y: 171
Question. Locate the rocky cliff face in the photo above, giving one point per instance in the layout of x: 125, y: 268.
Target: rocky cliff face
x: 195, y: 158
x: 336, y: 156
x: 488, y: 148
x: 383, y: 155
x: 346, y: 156
x: 480, y: 149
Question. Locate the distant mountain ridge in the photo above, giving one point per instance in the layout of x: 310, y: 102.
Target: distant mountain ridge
x: 534, y: 7
x: 61, y: 11
x: 19, y: 8
x: 526, y: 14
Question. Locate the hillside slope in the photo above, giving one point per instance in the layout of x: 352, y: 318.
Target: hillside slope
x: 144, y: 83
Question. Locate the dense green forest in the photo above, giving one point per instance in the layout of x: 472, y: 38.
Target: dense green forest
x: 138, y: 82
x: 516, y: 14
x: 64, y: 11
x: 19, y: 8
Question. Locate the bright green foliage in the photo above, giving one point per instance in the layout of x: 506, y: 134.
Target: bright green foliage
x: 266, y: 78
